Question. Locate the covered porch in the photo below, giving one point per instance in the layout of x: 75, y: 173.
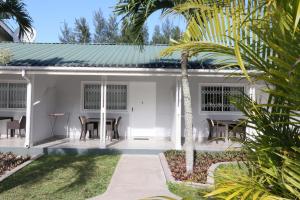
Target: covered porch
x: 147, y: 107
x: 150, y: 108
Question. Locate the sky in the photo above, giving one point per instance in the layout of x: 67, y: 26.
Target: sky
x: 49, y: 15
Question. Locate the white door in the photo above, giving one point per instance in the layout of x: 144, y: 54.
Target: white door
x: 142, y: 109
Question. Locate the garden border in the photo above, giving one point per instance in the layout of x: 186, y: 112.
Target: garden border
x: 210, y: 176
x: 14, y: 170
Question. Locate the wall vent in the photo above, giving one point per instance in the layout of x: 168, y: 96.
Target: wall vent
x: 140, y: 138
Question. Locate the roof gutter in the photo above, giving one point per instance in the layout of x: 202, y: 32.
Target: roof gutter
x: 109, y: 71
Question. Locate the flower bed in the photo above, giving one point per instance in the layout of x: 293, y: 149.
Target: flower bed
x: 176, y: 161
x: 8, y: 161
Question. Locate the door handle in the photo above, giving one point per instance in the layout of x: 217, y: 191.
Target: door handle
x: 131, y: 109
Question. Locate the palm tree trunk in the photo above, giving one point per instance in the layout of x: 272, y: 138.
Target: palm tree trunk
x: 188, y: 115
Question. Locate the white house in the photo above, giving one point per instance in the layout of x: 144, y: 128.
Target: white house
x: 107, y: 81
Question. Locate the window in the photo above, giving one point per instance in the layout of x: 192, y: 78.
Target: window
x: 92, y: 96
x: 217, y: 98
x: 116, y: 97
x: 12, y: 95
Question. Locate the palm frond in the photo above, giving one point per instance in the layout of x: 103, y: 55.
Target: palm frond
x: 16, y: 10
x: 136, y: 12
x: 262, y: 35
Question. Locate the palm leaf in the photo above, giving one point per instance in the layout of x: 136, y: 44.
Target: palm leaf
x: 16, y: 10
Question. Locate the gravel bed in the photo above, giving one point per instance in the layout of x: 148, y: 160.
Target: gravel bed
x: 8, y: 161
x: 176, y: 161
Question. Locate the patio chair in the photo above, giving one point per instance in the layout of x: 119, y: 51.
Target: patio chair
x: 109, y: 131
x: 237, y: 130
x: 116, y: 128
x: 85, y: 127
x: 216, y: 130
x: 16, y: 125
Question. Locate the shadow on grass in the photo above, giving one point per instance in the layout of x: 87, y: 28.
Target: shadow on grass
x: 64, y: 174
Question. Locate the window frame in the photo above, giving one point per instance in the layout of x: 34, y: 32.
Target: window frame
x: 201, y: 112
x: 83, y: 83
x: 9, y: 81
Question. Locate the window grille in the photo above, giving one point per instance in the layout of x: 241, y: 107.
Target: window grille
x: 92, y: 96
x: 12, y: 95
x: 218, y: 98
x: 116, y: 97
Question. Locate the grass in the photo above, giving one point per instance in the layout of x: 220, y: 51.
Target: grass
x: 229, y: 170
x: 192, y: 193
x: 186, y: 192
x: 61, y: 177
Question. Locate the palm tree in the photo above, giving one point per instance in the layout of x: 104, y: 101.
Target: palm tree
x: 264, y: 36
x: 136, y: 12
x: 16, y: 10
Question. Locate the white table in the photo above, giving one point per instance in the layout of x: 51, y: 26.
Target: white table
x: 55, y: 116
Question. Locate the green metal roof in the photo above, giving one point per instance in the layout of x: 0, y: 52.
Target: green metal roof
x: 97, y: 55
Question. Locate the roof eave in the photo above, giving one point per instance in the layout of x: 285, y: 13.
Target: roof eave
x: 115, y: 71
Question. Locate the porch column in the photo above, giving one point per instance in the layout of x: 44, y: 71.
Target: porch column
x: 29, y: 115
x: 252, y: 92
x: 252, y: 95
x: 178, y: 115
x: 103, y: 115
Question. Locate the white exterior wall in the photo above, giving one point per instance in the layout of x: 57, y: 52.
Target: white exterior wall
x: 62, y: 94
x: 200, y: 125
x: 44, y: 102
x: 68, y: 93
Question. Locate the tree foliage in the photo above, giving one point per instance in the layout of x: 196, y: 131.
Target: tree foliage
x: 67, y: 34
x: 100, y: 27
x: 136, y: 12
x: 82, y: 30
x: 5, y: 56
x: 169, y: 31
x: 127, y: 34
x: 176, y: 33
x: 157, y: 37
x: 16, y: 10
x: 112, y: 31
x: 106, y: 31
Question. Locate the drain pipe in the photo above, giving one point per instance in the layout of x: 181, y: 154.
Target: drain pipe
x: 28, y: 109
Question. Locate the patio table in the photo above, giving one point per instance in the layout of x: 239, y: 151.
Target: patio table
x: 109, y: 121
x: 11, y: 119
x: 55, y: 116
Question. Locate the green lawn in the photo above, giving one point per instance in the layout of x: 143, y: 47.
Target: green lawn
x: 61, y: 177
x: 191, y: 193
x: 186, y: 192
x: 229, y: 170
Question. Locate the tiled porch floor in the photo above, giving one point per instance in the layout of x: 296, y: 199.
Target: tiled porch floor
x: 11, y: 142
x: 150, y: 144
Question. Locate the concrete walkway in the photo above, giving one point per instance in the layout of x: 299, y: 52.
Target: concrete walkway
x: 137, y: 177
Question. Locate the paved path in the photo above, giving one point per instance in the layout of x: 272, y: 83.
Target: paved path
x: 137, y: 177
